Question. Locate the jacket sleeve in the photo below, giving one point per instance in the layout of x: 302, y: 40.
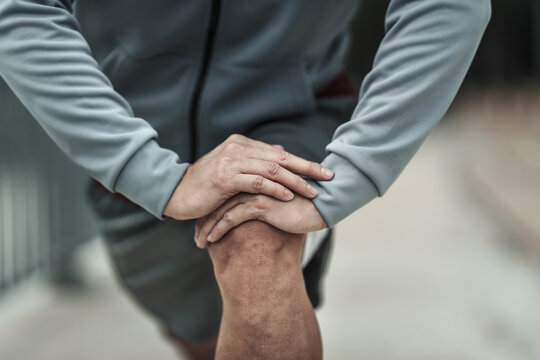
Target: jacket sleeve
x: 420, y: 64
x: 47, y: 63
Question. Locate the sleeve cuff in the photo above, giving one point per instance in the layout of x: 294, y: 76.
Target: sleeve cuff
x: 150, y: 177
x: 348, y: 191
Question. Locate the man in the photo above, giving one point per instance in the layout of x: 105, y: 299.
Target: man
x: 197, y: 72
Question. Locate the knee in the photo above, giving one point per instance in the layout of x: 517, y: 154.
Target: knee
x: 256, y: 246
x: 256, y: 256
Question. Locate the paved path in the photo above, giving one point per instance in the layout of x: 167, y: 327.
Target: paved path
x: 424, y: 273
x: 427, y: 273
x: 501, y: 134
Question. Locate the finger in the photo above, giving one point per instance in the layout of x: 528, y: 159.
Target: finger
x: 303, y: 167
x: 258, y: 184
x: 273, y: 171
x: 196, y: 235
x: 198, y: 224
x: 212, y: 219
x: 231, y: 219
x: 278, y: 147
x: 292, y: 162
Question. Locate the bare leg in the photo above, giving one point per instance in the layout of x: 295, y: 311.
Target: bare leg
x: 266, y: 310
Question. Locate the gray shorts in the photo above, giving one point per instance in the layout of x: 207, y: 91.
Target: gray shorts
x: 157, y: 261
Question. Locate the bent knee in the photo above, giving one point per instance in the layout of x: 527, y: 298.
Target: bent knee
x: 256, y: 249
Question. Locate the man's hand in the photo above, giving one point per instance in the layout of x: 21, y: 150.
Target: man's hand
x: 298, y: 216
x: 237, y: 165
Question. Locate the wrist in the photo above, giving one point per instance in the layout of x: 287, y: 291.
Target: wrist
x: 320, y: 222
x: 177, y: 207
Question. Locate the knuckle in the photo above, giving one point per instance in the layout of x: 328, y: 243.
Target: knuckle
x: 283, y: 155
x: 233, y: 147
x: 259, y: 202
x: 220, y: 179
x: 225, y: 161
x: 228, y: 219
x: 236, y: 138
x: 273, y: 169
x: 258, y: 182
x: 260, y: 215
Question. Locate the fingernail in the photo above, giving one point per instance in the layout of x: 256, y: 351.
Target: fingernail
x: 288, y: 195
x: 327, y: 172
x: 210, y: 238
x: 311, y: 190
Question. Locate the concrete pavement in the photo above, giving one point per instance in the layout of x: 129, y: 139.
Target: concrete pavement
x: 426, y: 272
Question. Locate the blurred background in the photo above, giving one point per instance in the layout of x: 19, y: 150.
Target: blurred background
x: 445, y: 266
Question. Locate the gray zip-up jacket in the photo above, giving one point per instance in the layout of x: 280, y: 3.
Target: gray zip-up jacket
x: 193, y: 70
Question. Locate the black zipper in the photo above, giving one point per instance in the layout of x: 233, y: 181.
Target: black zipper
x: 199, y: 85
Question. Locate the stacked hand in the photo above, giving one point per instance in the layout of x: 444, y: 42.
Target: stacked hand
x: 243, y: 165
x: 298, y: 216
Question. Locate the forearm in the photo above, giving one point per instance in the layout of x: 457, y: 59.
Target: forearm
x: 420, y: 65
x: 48, y: 64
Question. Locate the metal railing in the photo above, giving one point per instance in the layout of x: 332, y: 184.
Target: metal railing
x: 43, y: 210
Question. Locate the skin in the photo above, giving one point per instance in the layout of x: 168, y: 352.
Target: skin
x: 266, y: 311
x: 298, y: 216
x: 254, y: 257
x: 238, y: 165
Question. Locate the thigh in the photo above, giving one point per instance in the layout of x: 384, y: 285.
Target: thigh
x: 159, y: 265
